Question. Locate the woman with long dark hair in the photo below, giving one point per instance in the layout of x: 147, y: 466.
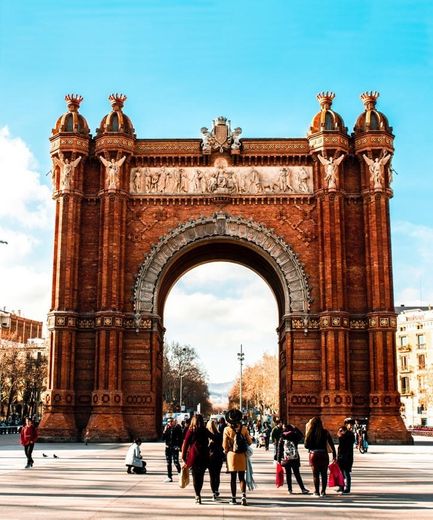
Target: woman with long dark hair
x: 317, y: 441
x: 216, y: 457
x: 195, y: 452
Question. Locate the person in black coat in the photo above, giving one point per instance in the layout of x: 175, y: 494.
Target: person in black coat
x: 289, y: 458
x: 346, y: 439
x: 173, y: 437
x: 216, y: 457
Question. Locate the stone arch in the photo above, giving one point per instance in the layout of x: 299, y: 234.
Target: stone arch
x: 289, y: 282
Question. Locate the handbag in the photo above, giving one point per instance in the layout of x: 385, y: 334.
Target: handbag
x: 279, y: 475
x: 184, y: 476
x: 335, y: 477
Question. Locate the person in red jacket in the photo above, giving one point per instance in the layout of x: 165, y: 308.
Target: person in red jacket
x: 28, y: 437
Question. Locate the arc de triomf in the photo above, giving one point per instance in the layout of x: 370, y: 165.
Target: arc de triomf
x: 310, y: 215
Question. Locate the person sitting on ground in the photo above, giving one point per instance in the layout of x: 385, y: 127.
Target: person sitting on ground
x: 133, y: 460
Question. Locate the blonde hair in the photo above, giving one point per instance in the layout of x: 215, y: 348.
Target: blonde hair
x: 314, y: 430
x: 211, y: 426
x: 197, y: 422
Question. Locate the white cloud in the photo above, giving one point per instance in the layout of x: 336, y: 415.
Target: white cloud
x: 26, y: 216
x: 215, y: 319
x: 24, y: 200
x: 413, y: 260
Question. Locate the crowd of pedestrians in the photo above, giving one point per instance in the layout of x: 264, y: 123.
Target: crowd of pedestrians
x: 199, y: 447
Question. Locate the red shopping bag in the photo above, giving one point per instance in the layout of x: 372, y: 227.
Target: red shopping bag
x: 279, y: 475
x: 335, y: 477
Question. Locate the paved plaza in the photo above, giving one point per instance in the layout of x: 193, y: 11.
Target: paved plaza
x: 90, y: 482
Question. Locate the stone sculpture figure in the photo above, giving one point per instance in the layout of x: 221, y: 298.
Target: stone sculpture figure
x: 66, y: 170
x: 235, y: 135
x: 331, y: 170
x: 136, y: 180
x: 303, y: 177
x: 206, y: 140
x: 376, y: 169
x: 112, y: 169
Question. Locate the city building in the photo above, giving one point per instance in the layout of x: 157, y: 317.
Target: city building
x: 16, y: 327
x: 415, y: 364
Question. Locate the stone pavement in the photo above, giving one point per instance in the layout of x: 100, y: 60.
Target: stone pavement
x: 90, y: 482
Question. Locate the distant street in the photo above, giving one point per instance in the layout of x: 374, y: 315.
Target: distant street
x: 90, y: 482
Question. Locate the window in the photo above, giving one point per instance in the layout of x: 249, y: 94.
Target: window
x: 420, y: 340
x: 403, y: 341
x: 404, y: 385
x: 421, y: 361
x: 403, y: 362
x: 421, y: 384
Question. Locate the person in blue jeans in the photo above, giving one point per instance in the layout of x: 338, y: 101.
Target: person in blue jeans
x: 346, y: 440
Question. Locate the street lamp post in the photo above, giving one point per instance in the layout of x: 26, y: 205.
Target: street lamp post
x: 181, y: 377
x: 241, y: 357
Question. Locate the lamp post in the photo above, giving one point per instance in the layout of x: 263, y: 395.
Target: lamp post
x: 181, y: 377
x: 241, y: 357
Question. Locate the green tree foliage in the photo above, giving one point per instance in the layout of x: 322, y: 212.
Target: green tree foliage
x: 182, y: 362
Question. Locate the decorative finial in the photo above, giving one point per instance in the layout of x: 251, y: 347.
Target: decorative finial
x: 221, y: 120
x: 117, y: 100
x: 73, y: 101
x: 325, y: 99
x: 369, y: 99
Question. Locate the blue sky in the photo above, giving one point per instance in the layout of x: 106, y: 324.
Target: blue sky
x: 181, y: 64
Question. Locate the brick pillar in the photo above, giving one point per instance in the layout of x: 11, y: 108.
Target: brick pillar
x: 58, y: 421
x: 106, y: 422
x: 385, y: 420
x: 336, y: 397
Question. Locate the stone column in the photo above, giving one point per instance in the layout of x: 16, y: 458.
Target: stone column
x: 106, y: 422
x: 58, y: 421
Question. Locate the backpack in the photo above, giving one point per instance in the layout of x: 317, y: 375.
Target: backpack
x: 240, y: 444
x: 290, y: 450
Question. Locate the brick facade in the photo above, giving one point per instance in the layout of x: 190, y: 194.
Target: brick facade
x: 124, y: 235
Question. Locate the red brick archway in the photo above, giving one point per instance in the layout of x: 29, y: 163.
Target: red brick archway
x: 309, y: 215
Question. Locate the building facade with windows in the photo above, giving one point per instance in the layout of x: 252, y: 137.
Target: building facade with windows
x: 415, y: 364
x: 18, y: 328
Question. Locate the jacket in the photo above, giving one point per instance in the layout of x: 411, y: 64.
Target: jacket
x: 172, y: 436
x: 28, y: 435
x: 235, y: 461
x: 133, y: 456
x: 345, y: 450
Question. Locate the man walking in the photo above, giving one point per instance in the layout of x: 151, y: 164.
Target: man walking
x: 172, y: 436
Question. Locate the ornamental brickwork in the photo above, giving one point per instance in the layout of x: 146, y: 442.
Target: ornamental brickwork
x: 310, y: 215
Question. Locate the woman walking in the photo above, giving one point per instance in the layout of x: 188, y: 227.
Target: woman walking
x: 346, y: 440
x: 288, y: 456
x: 195, y: 452
x: 236, y: 440
x: 216, y: 457
x: 317, y: 441
x: 28, y: 437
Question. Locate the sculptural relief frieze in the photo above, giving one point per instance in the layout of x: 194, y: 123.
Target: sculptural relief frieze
x: 221, y: 179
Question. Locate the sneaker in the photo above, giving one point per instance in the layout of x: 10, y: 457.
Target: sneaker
x: 27, y: 466
x: 168, y: 479
x: 305, y: 491
x: 217, y: 494
x: 316, y: 494
x: 233, y: 501
x: 244, y: 501
x: 128, y: 470
x: 198, y: 500
x: 290, y: 491
x: 323, y: 494
x: 345, y: 492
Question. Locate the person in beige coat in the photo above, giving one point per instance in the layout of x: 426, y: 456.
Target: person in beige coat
x: 236, y: 440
